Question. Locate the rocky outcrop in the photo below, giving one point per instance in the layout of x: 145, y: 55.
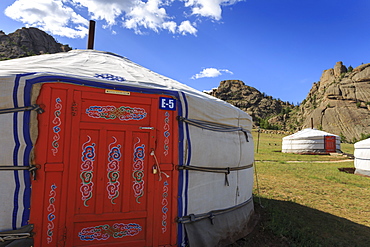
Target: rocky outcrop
x: 340, y: 102
x: 339, y: 69
x: 27, y: 42
x: 263, y: 108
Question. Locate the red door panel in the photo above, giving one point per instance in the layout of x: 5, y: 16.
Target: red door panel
x: 47, y: 198
x: 84, y: 173
x: 166, y: 184
x: 114, y: 170
x: 98, y: 183
x: 330, y: 145
x: 52, y: 202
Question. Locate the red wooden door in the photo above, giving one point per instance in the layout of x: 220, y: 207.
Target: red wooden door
x: 106, y: 193
x: 330, y: 145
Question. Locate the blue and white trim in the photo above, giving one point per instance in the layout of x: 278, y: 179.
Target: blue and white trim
x: 21, y: 192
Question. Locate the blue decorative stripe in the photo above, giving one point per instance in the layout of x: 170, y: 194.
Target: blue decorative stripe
x: 16, y: 175
x: 187, y: 163
x: 15, y: 154
x: 187, y: 159
x: 104, y: 85
x: 180, y: 175
x: 26, y: 160
x: 183, y: 176
x: 181, y: 158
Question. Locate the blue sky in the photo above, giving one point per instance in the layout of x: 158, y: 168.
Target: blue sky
x: 279, y: 47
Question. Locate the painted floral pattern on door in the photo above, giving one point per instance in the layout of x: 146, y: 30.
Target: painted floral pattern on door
x: 87, y: 170
x: 164, y: 206
x: 51, y: 216
x: 166, y: 133
x: 123, y: 113
x: 104, y: 232
x: 56, y: 126
x: 138, y: 169
x: 114, y: 158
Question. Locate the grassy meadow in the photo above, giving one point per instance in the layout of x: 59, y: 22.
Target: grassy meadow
x: 305, y: 200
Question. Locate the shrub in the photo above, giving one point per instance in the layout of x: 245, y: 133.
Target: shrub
x: 264, y: 124
x: 364, y: 136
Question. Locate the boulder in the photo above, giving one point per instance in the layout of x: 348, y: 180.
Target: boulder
x: 339, y: 69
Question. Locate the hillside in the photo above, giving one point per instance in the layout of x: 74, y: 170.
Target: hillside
x: 266, y: 111
x: 27, y: 42
x: 340, y: 102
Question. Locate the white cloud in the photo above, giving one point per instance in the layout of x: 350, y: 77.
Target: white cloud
x: 170, y: 26
x: 210, y: 72
x: 50, y: 15
x: 149, y: 15
x: 208, y: 8
x: 186, y: 27
x: 107, y: 10
x: 64, y: 17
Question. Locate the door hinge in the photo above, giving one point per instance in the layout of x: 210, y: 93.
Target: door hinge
x: 74, y: 109
x: 146, y: 128
x: 62, y: 241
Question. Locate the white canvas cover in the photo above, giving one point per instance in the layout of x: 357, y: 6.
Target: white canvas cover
x: 307, y: 141
x: 200, y: 192
x: 362, y: 157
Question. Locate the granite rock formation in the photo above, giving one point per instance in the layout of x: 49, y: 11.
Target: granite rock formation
x: 27, y: 42
x: 340, y: 102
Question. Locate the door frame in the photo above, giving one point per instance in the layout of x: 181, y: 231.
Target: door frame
x: 40, y: 200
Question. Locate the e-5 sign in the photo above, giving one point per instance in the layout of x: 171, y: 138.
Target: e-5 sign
x: 167, y: 104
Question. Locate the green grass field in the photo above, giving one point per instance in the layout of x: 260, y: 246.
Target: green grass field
x: 307, y: 200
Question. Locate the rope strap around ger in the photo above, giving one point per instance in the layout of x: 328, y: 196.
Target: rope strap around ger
x: 225, y: 170
x: 34, y: 107
x: 213, y: 126
x: 32, y: 169
x: 211, y: 215
x: 7, y: 237
x: 14, y: 236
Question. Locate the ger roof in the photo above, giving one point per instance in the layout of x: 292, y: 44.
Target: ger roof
x: 308, y: 133
x: 363, y: 144
x: 105, y: 67
x: 94, y: 64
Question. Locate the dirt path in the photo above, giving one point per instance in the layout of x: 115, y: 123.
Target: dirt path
x: 319, y: 161
x: 306, y: 161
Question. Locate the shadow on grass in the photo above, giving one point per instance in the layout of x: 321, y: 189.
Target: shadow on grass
x: 350, y: 170
x: 284, y: 223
